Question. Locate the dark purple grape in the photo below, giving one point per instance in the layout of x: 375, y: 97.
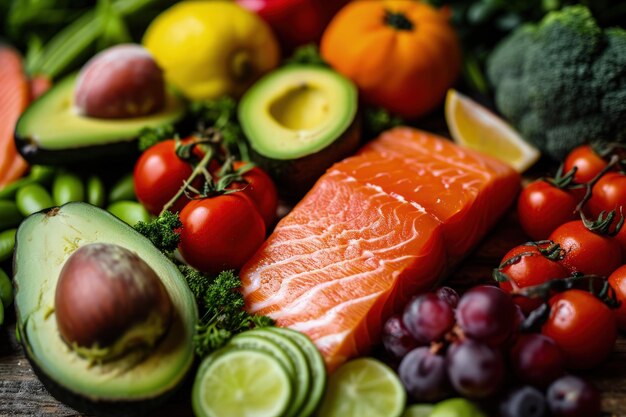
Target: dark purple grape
x: 486, y: 313
x: 475, y: 369
x: 428, y: 318
x: 524, y: 402
x: 423, y: 374
x: 448, y: 295
x: 571, y: 396
x: 537, y: 360
x: 396, y: 338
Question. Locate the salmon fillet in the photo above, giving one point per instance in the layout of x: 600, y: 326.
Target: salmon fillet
x: 374, y: 230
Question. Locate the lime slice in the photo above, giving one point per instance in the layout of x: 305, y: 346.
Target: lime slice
x: 316, y: 366
x: 299, y: 361
x: 363, y: 387
x: 239, y: 382
x: 475, y: 127
x: 418, y: 410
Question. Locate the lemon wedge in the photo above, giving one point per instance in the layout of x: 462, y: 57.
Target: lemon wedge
x: 474, y: 126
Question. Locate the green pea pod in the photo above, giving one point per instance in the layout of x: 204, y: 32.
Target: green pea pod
x: 130, y: 212
x: 10, y: 216
x: 38, y: 174
x: 7, y: 243
x: 124, y: 189
x: 96, y: 193
x: 67, y: 187
x: 6, y: 289
x: 33, y: 198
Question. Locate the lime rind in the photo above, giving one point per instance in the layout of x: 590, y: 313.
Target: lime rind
x: 298, y: 358
x: 317, y: 368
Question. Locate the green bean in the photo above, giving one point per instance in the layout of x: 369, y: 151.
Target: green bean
x: 38, y: 174
x: 95, y: 191
x: 124, y: 189
x: 18, y: 338
x: 1, y: 313
x: 67, y: 187
x: 7, y: 243
x: 6, y: 289
x: 33, y: 198
x: 10, y: 216
x: 130, y: 212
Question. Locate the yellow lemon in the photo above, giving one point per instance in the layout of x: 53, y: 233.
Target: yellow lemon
x: 211, y: 48
x: 474, y: 126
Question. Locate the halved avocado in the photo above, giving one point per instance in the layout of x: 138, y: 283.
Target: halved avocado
x: 50, y: 131
x: 300, y: 119
x: 121, y: 386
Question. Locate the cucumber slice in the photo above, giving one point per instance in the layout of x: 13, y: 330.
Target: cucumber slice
x: 363, y: 387
x: 241, y: 382
x: 316, y: 366
x: 303, y: 375
x: 250, y: 342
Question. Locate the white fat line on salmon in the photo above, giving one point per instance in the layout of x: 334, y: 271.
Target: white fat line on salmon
x: 330, y: 316
x: 325, y: 343
x: 302, y: 302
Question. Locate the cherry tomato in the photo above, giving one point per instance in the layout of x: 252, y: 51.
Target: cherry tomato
x: 158, y: 175
x: 582, y: 326
x: 618, y: 282
x: 541, y: 208
x: 621, y: 239
x: 609, y: 193
x: 530, y: 268
x: 586, y: 251
x: 588, y: 163
x: 220, y: 232
x: 261, y: 190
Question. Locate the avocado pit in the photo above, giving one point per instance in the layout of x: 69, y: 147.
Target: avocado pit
x: 108, y: 301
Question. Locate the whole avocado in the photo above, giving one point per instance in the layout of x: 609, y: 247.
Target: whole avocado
x: 562, y: 81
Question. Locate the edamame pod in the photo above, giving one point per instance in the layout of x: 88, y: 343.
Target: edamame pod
x: 7, y: 243
x: 67, y: 187
x: 10, y: 216
x: 124, y: 189
x: 33, y: 198
x: 130, y: 212
x: 6, y: 289
x: 95, y: 191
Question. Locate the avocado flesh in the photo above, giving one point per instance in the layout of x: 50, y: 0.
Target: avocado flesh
x: 51, y: 125
x: 44, y: 242
x: 297, y: 111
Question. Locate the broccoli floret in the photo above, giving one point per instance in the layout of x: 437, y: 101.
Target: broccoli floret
x: 562, y: 82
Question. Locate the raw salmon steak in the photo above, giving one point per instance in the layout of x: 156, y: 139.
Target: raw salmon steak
x: 374, y: 230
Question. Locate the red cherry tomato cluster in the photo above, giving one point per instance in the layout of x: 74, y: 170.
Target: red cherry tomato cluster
x: 546, y: 204
x: 222, y: 228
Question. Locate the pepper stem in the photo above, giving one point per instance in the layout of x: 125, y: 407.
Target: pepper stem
x: 398, y: 20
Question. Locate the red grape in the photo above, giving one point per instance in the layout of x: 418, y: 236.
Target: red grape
x: 448, y: 295
x: 524, y: 402
x: 537, y: 360
x: 571, y: 396
x: 428, y: 318
x: 475, y: 369
x: 396, y: 338
x: 423, y: 374
x: 487, y: 314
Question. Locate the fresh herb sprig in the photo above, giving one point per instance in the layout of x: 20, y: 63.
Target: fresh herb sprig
x: 219, y: 300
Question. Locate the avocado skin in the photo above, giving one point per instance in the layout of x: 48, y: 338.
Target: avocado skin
x: 100, y: 407
x: 126, y: 149
x: 296, y: 176
x: 80, y: 402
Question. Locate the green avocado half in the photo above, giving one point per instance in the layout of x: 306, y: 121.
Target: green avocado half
x: 126, y: 385
x: 299, y: 120
x: 50, y: 131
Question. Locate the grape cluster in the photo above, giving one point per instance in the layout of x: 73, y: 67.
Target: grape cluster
x: 471, y: 345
